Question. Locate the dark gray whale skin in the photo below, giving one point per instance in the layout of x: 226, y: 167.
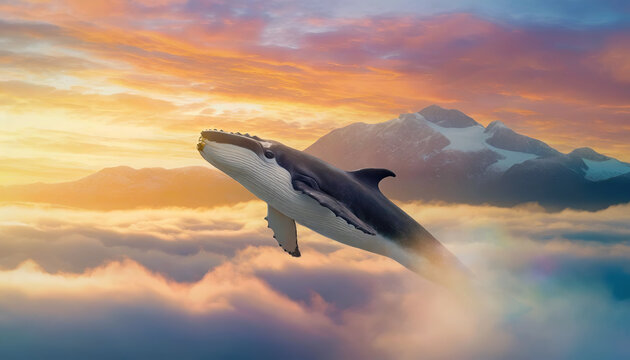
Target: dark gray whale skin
x: 340, y: 191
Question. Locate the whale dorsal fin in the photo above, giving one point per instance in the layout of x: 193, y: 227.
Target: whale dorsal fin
x: 371, y: 177
x: 308, y: 186
x: 283, y: 230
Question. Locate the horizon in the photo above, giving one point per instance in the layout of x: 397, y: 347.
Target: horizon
x: 203, y: 164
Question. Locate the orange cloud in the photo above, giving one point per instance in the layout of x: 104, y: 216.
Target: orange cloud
x: 151, y: 66
x: 613, y: 58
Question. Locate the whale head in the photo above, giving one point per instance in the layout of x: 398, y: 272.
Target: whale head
x: 236, y: 154
x: 263, y: 166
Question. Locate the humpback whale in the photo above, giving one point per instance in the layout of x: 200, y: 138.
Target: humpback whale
x: 346, y: 206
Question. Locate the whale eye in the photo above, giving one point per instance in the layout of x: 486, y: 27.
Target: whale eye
x: 269, y: 154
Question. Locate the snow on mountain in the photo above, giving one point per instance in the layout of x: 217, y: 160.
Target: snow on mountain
x: 432, y: 137
x: 588, y: 154
x: 502, y: 137
x: 467, y: 139
x: 474, y: 137
x: 599, y: 167
x: 463, y: 134
x: 602, y: 170
x: 444, y: 155
x: 510, y: 158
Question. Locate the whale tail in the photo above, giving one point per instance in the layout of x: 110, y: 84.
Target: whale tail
x: 435, y: 262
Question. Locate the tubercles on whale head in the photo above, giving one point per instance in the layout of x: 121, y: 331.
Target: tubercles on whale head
x: 234, y: 153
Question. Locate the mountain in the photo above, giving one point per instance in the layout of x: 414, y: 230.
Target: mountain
x: 445, y: 155
x: 437, y: 155
x: 124, y: 187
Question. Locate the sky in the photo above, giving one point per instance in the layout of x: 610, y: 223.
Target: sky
x: 91, y: 84
x: 86, y: 85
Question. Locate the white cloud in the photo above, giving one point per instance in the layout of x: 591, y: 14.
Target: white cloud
x: 215, y: 280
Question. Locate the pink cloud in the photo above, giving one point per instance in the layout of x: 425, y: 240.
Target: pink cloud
x: 573, y: 82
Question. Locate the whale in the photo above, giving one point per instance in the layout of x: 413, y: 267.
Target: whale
x: 345, y: 206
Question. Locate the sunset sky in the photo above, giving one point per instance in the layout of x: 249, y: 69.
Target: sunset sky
x: 90, y: 84
x: 166, y: 264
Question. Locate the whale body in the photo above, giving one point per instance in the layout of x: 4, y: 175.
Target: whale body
x: 346, y: 206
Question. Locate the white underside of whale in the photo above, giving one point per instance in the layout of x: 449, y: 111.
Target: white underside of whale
x: 272, y: 183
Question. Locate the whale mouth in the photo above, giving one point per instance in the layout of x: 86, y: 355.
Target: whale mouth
x: 247, y: 141
x: 201, y: 143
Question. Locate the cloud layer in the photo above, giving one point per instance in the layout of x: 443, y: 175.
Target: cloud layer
x: 200, y: 283
x: 131, y: 83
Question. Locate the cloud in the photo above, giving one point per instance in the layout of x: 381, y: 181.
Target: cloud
x: 183, y: 244
x: 219, y: 312
x: 201, y: 283
x: 43, y: 64
x: 292, y: 72
x: 17, y: 169
x: 17, y: 94
x: 123, y: 187
x: 450, y: 58
x: 611, y: 57
x: 88, y: 84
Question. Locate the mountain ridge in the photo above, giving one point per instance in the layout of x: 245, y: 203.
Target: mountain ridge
x: 451, y: 157
x: 124, y: 187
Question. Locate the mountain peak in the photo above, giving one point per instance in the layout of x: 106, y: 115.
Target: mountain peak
x: 122, y: 171
x: 495, y: 125
x: 115, y: 169
x: 448, y: 118
x: 588, y: 154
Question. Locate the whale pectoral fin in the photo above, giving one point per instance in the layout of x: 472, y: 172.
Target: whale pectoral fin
x: 283, y: 230
x: 335, y: 206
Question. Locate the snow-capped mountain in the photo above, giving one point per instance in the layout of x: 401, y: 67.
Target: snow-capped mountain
x: 437, y: 154
x: 445, y: 155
